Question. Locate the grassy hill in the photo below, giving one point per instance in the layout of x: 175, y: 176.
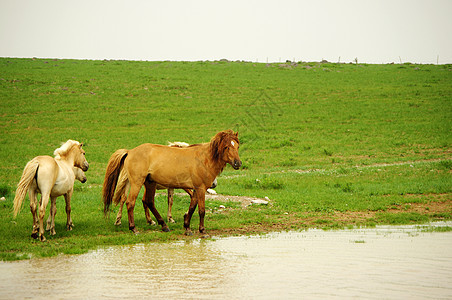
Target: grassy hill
x: 330, y: 145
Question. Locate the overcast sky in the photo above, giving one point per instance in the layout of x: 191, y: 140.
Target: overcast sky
x: 374, y: 31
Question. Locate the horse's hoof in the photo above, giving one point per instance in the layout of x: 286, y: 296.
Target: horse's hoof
x: 204, y: 236
x: 171, y: 220
x: 166, y: 229
x: 34, y: 235
x: 117, y: 223
x: 52, y: 232
x: 152, y: 223
x: 43, y: 239
x: 134, y: 230
x: 69, y: 228
x: 188, y: 233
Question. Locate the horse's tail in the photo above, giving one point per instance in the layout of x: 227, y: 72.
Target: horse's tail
x: 121, y: 186
x: 28, y: 175
x: 114, y: 167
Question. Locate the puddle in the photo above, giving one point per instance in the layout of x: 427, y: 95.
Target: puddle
x: 384, y: 262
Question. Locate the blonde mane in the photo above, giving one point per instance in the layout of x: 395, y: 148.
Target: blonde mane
x: 178, y: 144
x: 65, y: 148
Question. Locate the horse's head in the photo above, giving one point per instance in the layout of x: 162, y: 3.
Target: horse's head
x: 80, y: 159
x: 79, y: 174
x: 74, y: 150
x: 225, y: 147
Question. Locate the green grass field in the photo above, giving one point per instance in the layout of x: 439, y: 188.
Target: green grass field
x: 319, y: 140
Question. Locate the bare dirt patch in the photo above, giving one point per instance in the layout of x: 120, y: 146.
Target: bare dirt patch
x: 435, y: 208
x: 244, y: 200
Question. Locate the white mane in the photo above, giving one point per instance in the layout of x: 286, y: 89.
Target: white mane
x: 65, y: 148
x: 178, y: 144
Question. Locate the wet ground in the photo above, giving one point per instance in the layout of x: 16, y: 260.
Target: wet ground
x: 384, y: 262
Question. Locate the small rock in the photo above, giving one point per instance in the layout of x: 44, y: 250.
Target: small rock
x: 212, y: 192
x: 2, y: 199
x: 266, y: 198
x: 222, y: 206
x: 259, y: 201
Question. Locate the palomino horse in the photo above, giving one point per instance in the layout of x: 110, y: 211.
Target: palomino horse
x: 52, y: 177
x: 80, y: 176
x: 194, y: 167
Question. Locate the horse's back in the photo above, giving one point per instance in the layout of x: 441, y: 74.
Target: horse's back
x: 46, y: 162
x: 47, y: 172
x: 168, y: 166
x: 151, y: 152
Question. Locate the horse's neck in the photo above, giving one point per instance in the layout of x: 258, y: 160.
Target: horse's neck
x: 65, y: 171
x: 66, y: 163
x: 68, y: 158
x: 216, y: 166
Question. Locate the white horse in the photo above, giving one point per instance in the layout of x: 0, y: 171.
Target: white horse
x: 80, y: 176
x: 52, y: 177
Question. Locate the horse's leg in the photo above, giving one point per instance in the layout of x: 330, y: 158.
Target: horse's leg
x: 51, y: 219
x: 200, y: 195
x: 189, y: 214
x: 42, y: 211
x: 146, y: 210
x: 189, y: 192
x: 170, y: 206
x: 34, y: 211
x: 52, y: 209
x: 67, y: 197
x: 131, y: 199
x: 119, y: 215
x: 149, y: 196
x: 121, y: 202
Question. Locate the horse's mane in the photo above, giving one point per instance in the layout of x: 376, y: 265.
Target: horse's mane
x: 220, y: 141
x: 65, y: 148
x: 182, y: 144
x: 178, y: 144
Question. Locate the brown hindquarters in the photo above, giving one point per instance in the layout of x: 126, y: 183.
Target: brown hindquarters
x: 114, y: 167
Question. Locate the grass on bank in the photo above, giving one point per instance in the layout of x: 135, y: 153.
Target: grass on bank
x: 317, y: 139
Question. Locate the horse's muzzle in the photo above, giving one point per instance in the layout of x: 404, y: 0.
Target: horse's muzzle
x: 85, y: 166
x: 236, y: 164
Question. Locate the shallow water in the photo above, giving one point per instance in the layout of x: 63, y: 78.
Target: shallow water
x: 384, y: 262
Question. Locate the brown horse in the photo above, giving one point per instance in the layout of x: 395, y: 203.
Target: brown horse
x: 146, y: 209
x: 194, y: 167
x: 52, y: 177
x: 125, y: 190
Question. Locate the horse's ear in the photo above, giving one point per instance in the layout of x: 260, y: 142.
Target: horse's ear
x: 81, y: 145
x: 237, y: 134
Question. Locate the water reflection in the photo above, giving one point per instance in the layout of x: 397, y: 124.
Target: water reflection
x: 387, y: 262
